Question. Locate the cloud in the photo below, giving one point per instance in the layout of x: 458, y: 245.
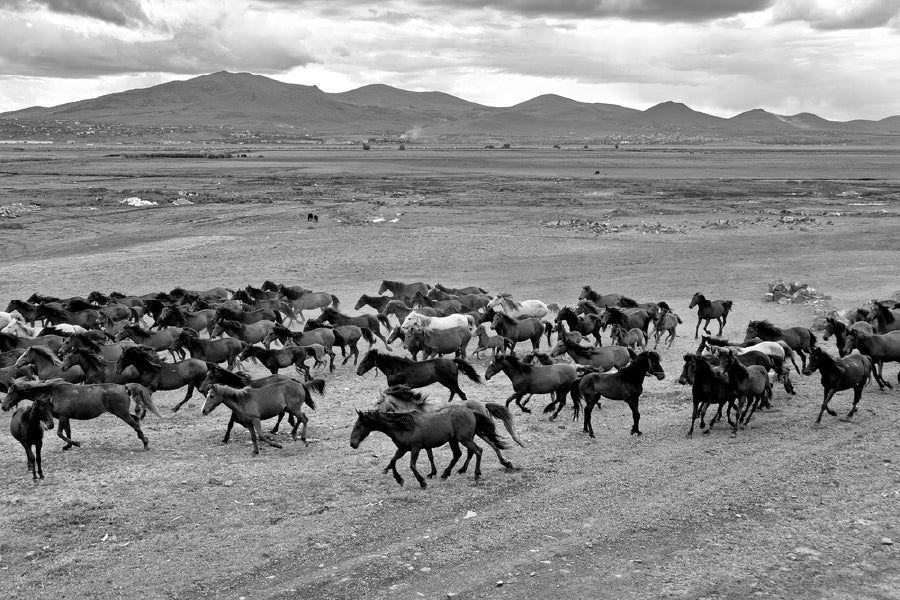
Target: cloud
x: 842, y: 14
x: 120, y: 12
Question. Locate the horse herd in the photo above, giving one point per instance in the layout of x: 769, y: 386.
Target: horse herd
x: 103, y: 353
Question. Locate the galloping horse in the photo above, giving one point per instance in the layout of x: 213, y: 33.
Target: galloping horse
x: 556, y: 380
x: 416, y: 374
x: 523, y: 329
x: 504, y: 303
x: 710, y: 309
x: 403, y: 291
x: 801, y: 339
x: 838, y: 374
x: 601, y: 300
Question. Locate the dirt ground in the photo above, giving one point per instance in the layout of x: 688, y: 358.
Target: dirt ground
x: 787, y: 509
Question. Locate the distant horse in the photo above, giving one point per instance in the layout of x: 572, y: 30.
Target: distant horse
x: 89, y: 319
x: 601, y: 300
x: 801, y: 339
x: 220, y: 350
x: 416, y: 319
x: 173, y: 316
x: 274, y: 360
x: 883, y: 318
x: 839, y: 330
x: 325, y: 338
x: 497, y: 344
x: 666, y: 322
x: 441, y: 341
x: 463, y: 291
x: 96, y: 369
x: 854, y: 371
x: 308, y: 300
x: 82, y: 402
x: 416, y: 374
x: 27, y: 426
x: 634, y: 338
x: 163, y: 339
x: 626, y: 384
x: 254, y: 333
x: 346, y: 337
x: 628, y: 318
x: 370, y: 322
x: 248, y: 317
x: 750, y: 384
x: 109, y: 352
x: 880, y: 348
x: 708, y: 310
x: 556, y: 380
x: 603, y: 358
x: 530, y: 329
x: 218, y: 292
x: 376, y: 302
x: 403, y: 291
x: 588, y: 324
x: 159, y: 375
x: 250, y: 405
x: 47, y: 365
x: 504, y: 303
x: 443, y: 307
x: 709, y: 385
x: 414, y: 431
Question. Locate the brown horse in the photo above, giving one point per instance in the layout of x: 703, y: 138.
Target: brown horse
x: 839, y: 330
x: 601, y: 300
x: 852, y: 372
x: 174, y: 316
x: 708, y: 310
x: 253, y: 333
x: 159, y: 375
x: 603, y: 358
x: 556, y: 380
x: 403, y: 291
x: 519, y: 330
x: 27, y: 426
x: 883, y: 318
x: 880, y: 348
x: 416, y: 374
x: 800, y: 339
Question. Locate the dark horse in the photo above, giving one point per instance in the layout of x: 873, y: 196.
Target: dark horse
x: 416, y: 374
x: 414, y: 431
x: 710, y: 309
x: 159, y: 375
x: 556, y: 380
x: 27, y: 426
x: 708, y: 386
x: 519, y: 330
x: 880, y: 348
x: 800, y: 339
x: 370, y: 322
x: 627, y: 384
x: 405, y: 291
x: 83, y: 401
x: 587, y: 324
x: 840, y: 331
x: 854, y: 371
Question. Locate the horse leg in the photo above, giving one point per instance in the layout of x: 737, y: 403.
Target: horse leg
x: 228, y: 429
x: 560, y: 401
x: 829, y: 393
x: 252, y: 431
x: 37, y: 455
x: 301, y: 418
x: 454, y: 447
x: 694, y: 415
x: 697, y: 328
x: 31, y: 460
x: 136, y: 425
x: 588, y: 409
x: 473, y: 447
x: 274, y: 430
x: 519, y: 403
x: 881, y: 375
x: 67, y: 436
x: 355, y: 354
x: 331, y: 366
x: 636, y: 415
x: 392, y: 466
x: 430, y: 456
x: 187, y: 396
x: 506, y: 464
x: 510, y: 399
x: 257, y: 426
x: 413, y: 457
x: 857, y: 394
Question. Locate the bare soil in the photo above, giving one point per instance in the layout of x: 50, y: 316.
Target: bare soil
x: 787, y: 509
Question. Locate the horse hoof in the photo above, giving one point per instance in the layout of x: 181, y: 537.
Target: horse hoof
x: 305, y: 443
x: 174, y: 409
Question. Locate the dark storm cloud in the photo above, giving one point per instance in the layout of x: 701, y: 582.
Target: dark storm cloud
x: 865, y: 14
x: 120, y: 12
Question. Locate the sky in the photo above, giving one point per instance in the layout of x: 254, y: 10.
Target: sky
x: 839, y: 59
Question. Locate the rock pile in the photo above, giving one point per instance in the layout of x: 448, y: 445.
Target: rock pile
x: 795, y: 292
x: 11, y: 211
x: 582, y: 224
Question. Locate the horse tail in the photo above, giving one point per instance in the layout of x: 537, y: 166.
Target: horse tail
x: 498, y: 411
x: 727, y: 305
x: 367, y: 334
x: 382, y: 318
x: 575, y: 392
x: 485, y: 428
x: 789, y: 353
x: 338, y: 338
x: 335, y: 301
x: 278, y: 318
x: 142, y: 397
x: 313, y: 385
x: 679, y: 319
x: 468, y: 369
x: 508, y: 344
x: 548, y: 329
x: 553, y: 307
x: 631, y: 354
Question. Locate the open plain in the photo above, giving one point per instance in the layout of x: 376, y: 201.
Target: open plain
x: 786, y: 509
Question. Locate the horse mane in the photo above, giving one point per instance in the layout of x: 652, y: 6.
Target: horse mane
x: 36, y: 298
x: 143, y: 354
x: 396, y: 303
x: 404, y: 420
x: 230, y: 393
x: 289, y: 293
x: 232, y: 324
x: 766, y: 327
x: 226, y: 377
x: 404, y: 393
x: 591, y: 305
x: 53, y: 330
x: 574, y: 346
x: 505, y: 317
x: 93, y: 360
x: 52, y: 311
x: 664, y: 306
x: 46, y: 352
x: 394, y: 359
x: 508, y: 303
x: 513, y: 360
x: 79, y: 304
x: 883, y: 311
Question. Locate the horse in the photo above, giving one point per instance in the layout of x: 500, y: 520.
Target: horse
x: 801, y: 339
x: 403, y: 291
x: 666, y: 322
x: 27, y: 309
x: 839, y: 330
x: 708, y: 310
x: 443, y: 307
x: 497, y: 344
x: 402, y: 310
x: 626, y: 384
x: 89, y: 318
x: 471, y: 301
x: 750, y: 385
x: 309, y: 300
x: 708, y: 386
x: 530, y: 328
x: 96, y: 369
x: 471, y: 290
x: 880, y: 348
x: 416, y: 374
x: 216, y: 293
x: 603, y: 358
x: 556, y: 380
x: 416, y: 319
x: 370, y: 322
x: 440, y: 341
x: 159, y: 375
x: 588, y: 324
x: 376, y: 302
x: 19, y: 328
x: 526, y: 308
x: 324, y: 338
x: 851, y: 372
x: 629, y: 318
x: 173, y: 316
x: 413, y: 431
x: 27, y: 426
x: 162, y: 339
x: 634, y: 338
x: 345, y: 336
x: 248, y: 317
x: 274, y: 360
x: 883, y: 318
x: 109, y: 352
x: 251, y: 405
x: 48, y: 365
x: 10, y: 357
x: 601, y: 300
x: 249, y: 334
x: 220, y: 350
x: 85, y: 401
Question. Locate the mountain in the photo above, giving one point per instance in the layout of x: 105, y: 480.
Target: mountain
x: 246, y: 101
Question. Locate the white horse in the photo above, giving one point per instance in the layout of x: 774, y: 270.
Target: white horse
x: 525, y: 308
x: 18, y: 328
x: 8, y: 317
x: 415, y: 319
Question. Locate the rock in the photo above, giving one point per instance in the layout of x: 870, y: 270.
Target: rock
x: 228, y: 483
x: 470, y: 514
x: 499, y: 583
x: 215, y: 481
x: 807, y: 551
x: 886, y: 541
